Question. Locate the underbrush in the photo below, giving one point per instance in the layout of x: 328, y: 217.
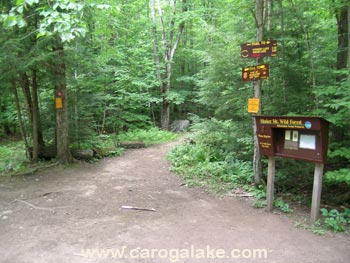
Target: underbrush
x: 214, y: 156
x: 150, y: 136
x: 13, y: 159
x: 200, y: 165
x: 217, y: 155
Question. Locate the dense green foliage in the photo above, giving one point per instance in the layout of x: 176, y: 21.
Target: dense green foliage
x: 335, y: 220
x: 14, y: 161
x: 214, y: 156
x: 110, y: 71
x: 12, y: 157
x: 148, y: 136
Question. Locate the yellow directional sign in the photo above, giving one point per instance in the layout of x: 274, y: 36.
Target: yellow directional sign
x: 59, y: 104
x: 253, y: 105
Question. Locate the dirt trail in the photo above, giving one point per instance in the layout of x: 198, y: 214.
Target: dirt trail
x: 61, y: 215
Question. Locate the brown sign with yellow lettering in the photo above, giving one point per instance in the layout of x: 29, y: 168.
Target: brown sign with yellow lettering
x: 259, y: 49
x: 303, y: 138
x: 255, y: 72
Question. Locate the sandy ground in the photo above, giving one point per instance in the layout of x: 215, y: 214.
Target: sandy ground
x: 76, y: 215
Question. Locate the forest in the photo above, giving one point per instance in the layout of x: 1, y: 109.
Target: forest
x: 80, y: 73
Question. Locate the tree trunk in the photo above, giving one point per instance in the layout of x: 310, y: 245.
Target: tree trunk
x: 35, y: 122
x: 170, y: 48
x: 36, y: 110
x: 28, y: 102
x: 5, y: 124
x: 20, y: 120
x: 62, y: 123
x: 30, y: 92
x: 156, y: 49
x: 259, y: 19
x: 343, y: 38
x: 165, y: 112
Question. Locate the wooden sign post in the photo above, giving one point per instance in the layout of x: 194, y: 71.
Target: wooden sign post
x: 270, y: 183
x: 316, y: 193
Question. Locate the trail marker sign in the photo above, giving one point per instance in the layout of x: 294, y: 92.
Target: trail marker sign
x: 255, y: 72
x: 259, y: 49
x: 253, y: 105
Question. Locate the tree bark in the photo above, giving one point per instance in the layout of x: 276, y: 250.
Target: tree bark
x: 35, y: 122
x: 343, y: 40
x: 259, y: 19
x: 28, y: 102
x: 5, y: 124
x: 30, y: 92
x: 20, y: 120
x: 62, y: 123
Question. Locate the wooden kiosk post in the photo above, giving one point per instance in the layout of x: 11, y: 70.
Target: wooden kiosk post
x: 302, y: 138
x: 316, y: 193
x: 270, y: 183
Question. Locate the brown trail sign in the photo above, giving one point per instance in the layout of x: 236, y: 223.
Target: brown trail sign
x: 255, y: 72
x: 259, y: 49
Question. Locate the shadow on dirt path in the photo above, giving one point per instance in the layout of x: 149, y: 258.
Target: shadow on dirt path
x: 75, y: 215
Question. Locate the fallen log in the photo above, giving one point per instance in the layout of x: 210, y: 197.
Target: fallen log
x: 50, y: 152
x: 132, y: 144
x: 82, y: 154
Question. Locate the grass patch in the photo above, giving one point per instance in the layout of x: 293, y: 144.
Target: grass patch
x: 12, y: 157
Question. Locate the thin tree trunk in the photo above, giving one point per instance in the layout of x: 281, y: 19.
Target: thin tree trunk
x: 165, y: 84
x: 259, y: 19
x: 62, y: 125
x: 36, y: 109
x: 343, y: 38
x: 170, y: 47
x: 20, y: 120
x: 6, y: 126
x: 156, y: 47
x: 35, y: 123
x: 28, y: 102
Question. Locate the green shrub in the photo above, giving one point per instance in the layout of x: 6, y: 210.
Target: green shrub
x: 206, y: 165
x: 148, y: 136
x: 338, y: 177
x: 335, y: 220
x: 12, y: 157
x: 280, y: 204
x: 226, y: 137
